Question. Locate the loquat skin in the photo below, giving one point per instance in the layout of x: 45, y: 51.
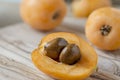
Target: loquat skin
x: 83, y: 8
x: 43, y: 15
x: 109, y: 37
x: 78, y: 71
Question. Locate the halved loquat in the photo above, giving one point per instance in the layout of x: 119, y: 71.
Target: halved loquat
x: 80, y: 70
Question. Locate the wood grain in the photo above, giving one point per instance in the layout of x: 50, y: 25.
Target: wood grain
x: 18, y: 41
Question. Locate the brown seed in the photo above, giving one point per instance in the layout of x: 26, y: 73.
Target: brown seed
x: 70, y: 54
x: 54, y: 47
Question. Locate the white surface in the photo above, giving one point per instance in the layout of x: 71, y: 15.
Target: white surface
x: 10, y: 0
x: 9, y: 13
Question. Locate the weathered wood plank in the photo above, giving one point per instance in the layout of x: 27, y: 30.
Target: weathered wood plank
x: 11, y: 69
x: 18, y: 41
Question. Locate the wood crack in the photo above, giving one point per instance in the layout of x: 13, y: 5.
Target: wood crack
x: 14, y: 52
x: 13, y: 43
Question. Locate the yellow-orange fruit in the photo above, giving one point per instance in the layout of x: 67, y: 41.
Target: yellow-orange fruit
x: 78, y: 71
x: 43, y: 14
x: 83, y: 8
x: 103, y: 28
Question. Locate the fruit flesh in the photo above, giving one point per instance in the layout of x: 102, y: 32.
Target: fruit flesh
x: 81, y: 70
x: 43, y: 14
x: 83, y: 8
x: 104, y: 16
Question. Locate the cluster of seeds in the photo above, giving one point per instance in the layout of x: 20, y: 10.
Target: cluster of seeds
x: 60, y: 50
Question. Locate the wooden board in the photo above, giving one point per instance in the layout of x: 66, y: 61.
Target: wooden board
x: 18, y: 41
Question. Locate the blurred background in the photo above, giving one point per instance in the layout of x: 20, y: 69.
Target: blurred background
x: 9, y: 11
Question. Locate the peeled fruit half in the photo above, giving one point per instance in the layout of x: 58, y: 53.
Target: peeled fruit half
x: 75, y: 48
x: 103, y: 28
x: 83, y: 8
x: 43, y: 14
